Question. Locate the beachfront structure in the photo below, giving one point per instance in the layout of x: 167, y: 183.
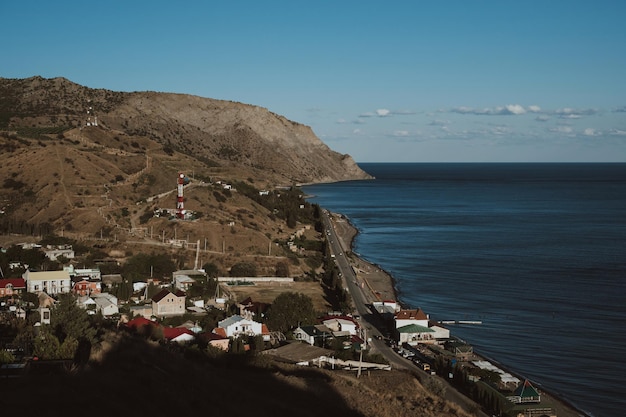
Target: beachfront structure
x: 406, y: 317
x: 525, y: 393
x: 413, y: 334
x: 50, y: 282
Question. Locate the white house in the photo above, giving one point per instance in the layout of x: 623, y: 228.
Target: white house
x: 88, y: 304
x: 91, y: 273
x: 106, y: 304
x: 53, y: 253
x: 310, y: 334
x: 235, y: 326
x: 51, y: 282
x: 406, y: 317
x: 183, y: 282
x: 341, y: 325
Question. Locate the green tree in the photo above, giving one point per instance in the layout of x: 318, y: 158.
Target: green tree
x: 6, y: 357
x: 46, y: 344
x: 243, y: 269
x: 69, y: 320
x: 282, y: 269
x: 290, y: 310
x: 211, y: 270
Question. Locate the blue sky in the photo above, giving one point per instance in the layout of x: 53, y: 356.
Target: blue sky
x: 405, y: 81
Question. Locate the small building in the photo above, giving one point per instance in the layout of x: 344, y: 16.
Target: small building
x: 106, y: 304
x: 12, y: 286
x: 167, y: 303
x: 85, y: 286
x: 313, y: 335
x: 141, y: 310
x: 51, y: 282
x: 178, y: 334
x: 183, y: 282
x: 525, y: 393
x: 87, y: 303
x: 414, y: 334
x: 217, y: 339
x: 405, y: 317
x: 53, y: 253
x: 341, y: 324
x: 235, y: 326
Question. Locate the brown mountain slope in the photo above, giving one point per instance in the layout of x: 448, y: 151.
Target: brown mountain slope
x: 223, y: 132
x: 62, y: 173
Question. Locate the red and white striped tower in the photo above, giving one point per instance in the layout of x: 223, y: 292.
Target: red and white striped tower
x: 180, y: 205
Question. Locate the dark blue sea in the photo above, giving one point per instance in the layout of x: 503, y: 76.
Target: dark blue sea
x: 537, y: 252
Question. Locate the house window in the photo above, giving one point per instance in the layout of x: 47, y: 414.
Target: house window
x: 46, y: 315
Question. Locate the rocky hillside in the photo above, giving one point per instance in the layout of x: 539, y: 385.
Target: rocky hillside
x: 97, y: 164
x: 216, y: 132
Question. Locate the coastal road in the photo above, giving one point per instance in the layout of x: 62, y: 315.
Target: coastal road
x: 372, y: 323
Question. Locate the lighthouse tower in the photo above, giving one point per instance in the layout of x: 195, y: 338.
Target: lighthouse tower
x: 180, y: 205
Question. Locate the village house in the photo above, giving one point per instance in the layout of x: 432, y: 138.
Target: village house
x: 167, y: 303
x: 106, y: 304
x: 341, y: 325
x: 84, y: 286
x: 141, y: 310
x: 86, y: 303
x: 313, y: 335
x: 217, y: 339
x: 412, y: 327
x: 235, y: 326
x: 54, y: 252
x: 178, y: 334
x: 183, y: 282
x: 11, y: 286
x: 51, y: 282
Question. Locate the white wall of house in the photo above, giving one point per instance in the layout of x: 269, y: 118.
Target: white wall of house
x: 50, y: 282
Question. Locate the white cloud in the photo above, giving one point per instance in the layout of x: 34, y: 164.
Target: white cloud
x: 542, y: 118
x: 341, y: 121
x: 401, y: 133
x: 561, y: 129
x: 382, y: 112
x: 534, y: 109
x: 509, y: 109
x: 513, y: 109
x: 570, y: 113
x: 590, y: 132
x: 356, y: 131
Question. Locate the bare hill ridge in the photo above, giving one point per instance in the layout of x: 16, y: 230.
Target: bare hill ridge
x: 222, y: 132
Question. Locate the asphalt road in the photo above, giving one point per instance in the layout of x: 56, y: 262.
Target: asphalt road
x: 373, y: 325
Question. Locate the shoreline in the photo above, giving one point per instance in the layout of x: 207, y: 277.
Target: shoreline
x: 382, y: 283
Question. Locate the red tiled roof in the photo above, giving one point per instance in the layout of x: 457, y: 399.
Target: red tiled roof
x: 209, y: 336
x: 220, y: 332
x: 17, y: 283
x: 411, y: 315
x: 138, y: 322
x: 173, y: 332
